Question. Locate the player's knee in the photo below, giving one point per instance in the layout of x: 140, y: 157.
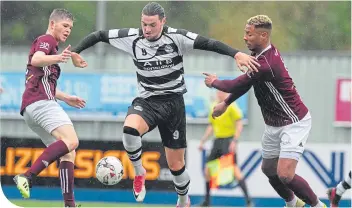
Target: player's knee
x: 137, y: 122
x: 130, y: 135
x: 175, y: 165
x: 268, y: 170
x: 67, y: 134
x: 269, y: 167
x: 72, y: 143
x: 130, y: 131
x: 70, y: 157
x: 179, y: 171
x: 285, y: 176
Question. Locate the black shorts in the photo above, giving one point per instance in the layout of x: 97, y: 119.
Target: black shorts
x: 220, y: 148
x: 167, y: 112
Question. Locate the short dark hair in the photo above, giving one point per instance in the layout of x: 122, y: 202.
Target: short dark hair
x: 152, y: 9
x: 60, y: 14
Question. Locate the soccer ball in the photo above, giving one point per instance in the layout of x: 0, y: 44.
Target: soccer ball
x: 109, y: 170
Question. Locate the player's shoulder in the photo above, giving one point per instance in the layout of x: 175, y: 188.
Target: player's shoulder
x: 179, y: 32
x: 124, y: 32
x: 45, y: 41
x: 45, y: 37
x: 271, y: 55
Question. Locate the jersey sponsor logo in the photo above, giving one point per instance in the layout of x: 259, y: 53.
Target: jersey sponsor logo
x: 44, y: 45
x: 157, y: 65
x: 154, y: 46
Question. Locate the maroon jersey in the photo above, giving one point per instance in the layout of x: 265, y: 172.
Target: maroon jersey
x: 41, y: 81
x: 273, y: 87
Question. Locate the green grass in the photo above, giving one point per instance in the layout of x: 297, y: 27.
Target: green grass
x: 37, y: 203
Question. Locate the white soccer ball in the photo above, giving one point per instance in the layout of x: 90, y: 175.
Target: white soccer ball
x: 109, y: 170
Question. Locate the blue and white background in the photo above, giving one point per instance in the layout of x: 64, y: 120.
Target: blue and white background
x: 109, y: 94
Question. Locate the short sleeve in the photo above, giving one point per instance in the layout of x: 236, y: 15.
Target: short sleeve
x: 210, y: 117
x: 184, y: 39
x: 123, y: 38
x: 45, y: 44
x: 236, y: 112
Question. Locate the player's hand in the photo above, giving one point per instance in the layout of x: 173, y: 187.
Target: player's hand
x: 209, y: 79
x: 232, y: 147
x: 65, y: 55
x: 75, y: 102
x: 201, y: 146
x: 244, y: 60
x: 219, y: 109
x: 78, y: 61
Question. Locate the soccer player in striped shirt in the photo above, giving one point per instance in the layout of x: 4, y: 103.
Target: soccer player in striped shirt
x: 157, y: 52
x: 40, y: 109
x: 287, y: 119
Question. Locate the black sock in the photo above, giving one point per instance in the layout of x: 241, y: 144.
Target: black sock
x: 243, y: 186
x: 207, y: 195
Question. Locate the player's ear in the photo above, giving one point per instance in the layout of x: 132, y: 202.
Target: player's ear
x: 264, y: 34
x: 163, y: 21
x: 51, y: 24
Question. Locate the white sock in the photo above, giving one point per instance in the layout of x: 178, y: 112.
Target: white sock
x: 320, y: 204
x: 344, y: 185
x: 340, y: 189
x: 181, y: 181
x: 292, y: 203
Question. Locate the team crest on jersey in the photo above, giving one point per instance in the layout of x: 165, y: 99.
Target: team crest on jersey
x: 44, y: 45
x: 169, y: 49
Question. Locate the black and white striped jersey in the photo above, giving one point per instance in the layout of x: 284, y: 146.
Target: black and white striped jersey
x: 159, y: 63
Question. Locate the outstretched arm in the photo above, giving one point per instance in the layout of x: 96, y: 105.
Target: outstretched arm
x: 203, y: 43
x: 188, y: 40
x: 242, y: 59
x: 237, y: 87
x: 71, y: 100
x: 92, y: 39
x: 241, y: 84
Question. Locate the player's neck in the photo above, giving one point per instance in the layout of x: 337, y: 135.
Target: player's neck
x: 48, y: 32
x: 262, y: 48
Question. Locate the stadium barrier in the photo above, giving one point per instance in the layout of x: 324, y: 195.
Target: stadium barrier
x: 323, y: 165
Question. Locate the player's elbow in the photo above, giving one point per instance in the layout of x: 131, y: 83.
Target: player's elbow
x: 37, y: 60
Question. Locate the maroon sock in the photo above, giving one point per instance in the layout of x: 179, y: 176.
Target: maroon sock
x: 302, y: 190
x: 50, y: 154
x: 281, y: 188
x: 67, y: 180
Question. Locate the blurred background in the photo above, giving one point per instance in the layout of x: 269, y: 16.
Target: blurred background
x: 313, y: 37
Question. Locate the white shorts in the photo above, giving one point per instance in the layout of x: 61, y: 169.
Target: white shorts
x: 43, y: 117
x: 286, y: 141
